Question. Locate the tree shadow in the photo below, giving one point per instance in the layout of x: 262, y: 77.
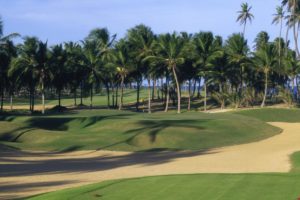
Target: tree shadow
x: 53, y: 165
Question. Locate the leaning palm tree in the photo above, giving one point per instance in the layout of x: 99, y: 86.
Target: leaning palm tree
x: 265, y: 60
x: 170, y: 52
x: 245, y: 15
x: 278, y: 19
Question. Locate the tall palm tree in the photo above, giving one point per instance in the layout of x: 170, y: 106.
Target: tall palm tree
x: 245, y: 15
x: 293, y: 19
x: 32, y: 67
x: 141, y: 40
x: 278, y: 19
x: 237, y: 49
x: 206, y: 52
x: 266, y: 60
x: 123, y: 64
x: 58, y: 59
x: 170, y: 52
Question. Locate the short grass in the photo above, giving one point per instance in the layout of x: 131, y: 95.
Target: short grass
x: 273, y: 114
x: 130, y: 131
x: 272, y: 186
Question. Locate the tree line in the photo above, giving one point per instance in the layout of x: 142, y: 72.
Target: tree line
x: 227, y: 71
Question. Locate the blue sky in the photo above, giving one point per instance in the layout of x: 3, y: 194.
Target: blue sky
x: 71, y: 20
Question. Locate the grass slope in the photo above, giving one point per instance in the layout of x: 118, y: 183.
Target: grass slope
x: 128, y: 131
x: 274, y: 186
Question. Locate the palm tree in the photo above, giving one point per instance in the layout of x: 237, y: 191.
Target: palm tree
x: 31, y: 66
x: 293, y: 19
x: 245, y: 15
x: 206, y: 52
x: 237, y: 50
x: 123, y: 64
x: 292, y: 67
x: 170, y: 52
x: 278, y: 19
x: 59, y: 70
x: 266, y: 60
x: 141, y: 40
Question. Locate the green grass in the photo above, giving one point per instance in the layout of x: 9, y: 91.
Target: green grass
x: 129, y: 131
x: 267, y: 186
x: 273, y: 114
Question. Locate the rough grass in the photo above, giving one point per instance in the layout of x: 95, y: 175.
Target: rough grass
x: 128, y: 131
x: 273, y: 186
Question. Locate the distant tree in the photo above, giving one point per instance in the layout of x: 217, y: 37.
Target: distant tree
x: 245, y: 15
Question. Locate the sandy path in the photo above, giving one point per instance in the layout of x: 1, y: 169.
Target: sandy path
x: 29, y: 173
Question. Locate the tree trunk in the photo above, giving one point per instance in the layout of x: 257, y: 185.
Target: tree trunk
x: 178, y: 90
x: 108, y: 95
x: 138, y: 84
x: 91, y: 97
x: 296, y: 40
x: 205, y: 94
x: 113, y: 95
x: 117, y: 96
x: 149, y: 96
x: 154, y: 89
x: 81, y: 93
x: 266, y: 90
x: 2, y: 99
x: 75, y: 97
x: 121, y: 96
x: 167, y: 95
x: 32, y: 107
x: 244, y: 30
x: 43, y: 98
x: 194, y: 87
x: 199, y: 87
x: 59, y: 98
x: 189, y: 100
x: 11, y: 102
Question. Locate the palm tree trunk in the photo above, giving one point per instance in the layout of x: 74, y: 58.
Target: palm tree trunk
x: 178, y: 90
x: 138, y: 84
x: 81, y: 93
x: 296, y: 40
x: 121, y: 96
x: 108, y: 95
x: 266, y: 90
x: 75, y: 97
x: 32, y: 101
x: 149, y: 96
x: 189, y: 100
x: 117, y: 95
x: 2, y: 99
x: 287, y: 36
x: 43, y: 98
x: 113, y: 95
x: 59, y: 97
x: 205, y: 95
x: 154, y: 89
x: 167, y: 95
x: 244, y: 30
x: 280, y: 33
x: 91, y: 96
x: 199, y: 87
x: 11, y: 102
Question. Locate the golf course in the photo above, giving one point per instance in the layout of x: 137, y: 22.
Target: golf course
x: 149, y: 100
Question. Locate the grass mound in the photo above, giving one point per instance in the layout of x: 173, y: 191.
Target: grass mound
x: 128, y: 131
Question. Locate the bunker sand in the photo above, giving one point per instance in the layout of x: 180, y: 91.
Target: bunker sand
x: 30, y: 173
